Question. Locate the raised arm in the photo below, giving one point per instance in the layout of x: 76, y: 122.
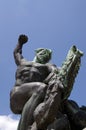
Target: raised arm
x: 18, y: 50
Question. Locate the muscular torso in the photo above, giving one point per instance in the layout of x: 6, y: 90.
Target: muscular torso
x: 31, y: 72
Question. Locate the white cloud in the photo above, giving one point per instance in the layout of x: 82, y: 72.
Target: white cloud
x: 84, y: 129
x: 8, y: 123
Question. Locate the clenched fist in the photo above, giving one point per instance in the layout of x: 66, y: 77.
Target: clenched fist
x: 22, y: 39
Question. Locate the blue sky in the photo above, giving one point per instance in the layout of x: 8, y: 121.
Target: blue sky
x: 54, y: 24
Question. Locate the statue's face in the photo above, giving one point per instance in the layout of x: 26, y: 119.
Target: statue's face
x: 43, y: 55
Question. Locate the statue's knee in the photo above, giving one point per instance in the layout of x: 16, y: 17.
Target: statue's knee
x: 42, y: 87
x: 13, y: 95
x: 15, y: 104
x: 42, y: 90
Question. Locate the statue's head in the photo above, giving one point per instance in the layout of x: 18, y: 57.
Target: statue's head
x: 43, y: 55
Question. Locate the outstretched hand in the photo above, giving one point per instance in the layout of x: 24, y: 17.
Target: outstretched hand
x: 22, y: 39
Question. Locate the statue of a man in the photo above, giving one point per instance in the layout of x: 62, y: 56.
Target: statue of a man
x: 38, y: 94
x: 31, y: 78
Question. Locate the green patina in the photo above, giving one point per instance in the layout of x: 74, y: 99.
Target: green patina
x: 69, y: 70
x: 43, y: 55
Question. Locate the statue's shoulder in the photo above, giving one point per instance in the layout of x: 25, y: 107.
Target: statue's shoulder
x: 53, y: 65
x: 50, y: 64
x: 25, y: 62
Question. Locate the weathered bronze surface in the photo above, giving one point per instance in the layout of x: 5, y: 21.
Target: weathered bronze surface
x: 41, y: 91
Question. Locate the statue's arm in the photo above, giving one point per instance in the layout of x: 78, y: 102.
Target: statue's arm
x: 18, y: 50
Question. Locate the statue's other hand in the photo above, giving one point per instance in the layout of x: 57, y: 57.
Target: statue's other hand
x: 22, y: 39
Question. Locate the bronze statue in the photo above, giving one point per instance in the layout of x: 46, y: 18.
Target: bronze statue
x: 41, y: 90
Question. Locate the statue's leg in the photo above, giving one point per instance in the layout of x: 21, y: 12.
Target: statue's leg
x: 20, y: 95
x: 27, y: 118
x: 46, y: 112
